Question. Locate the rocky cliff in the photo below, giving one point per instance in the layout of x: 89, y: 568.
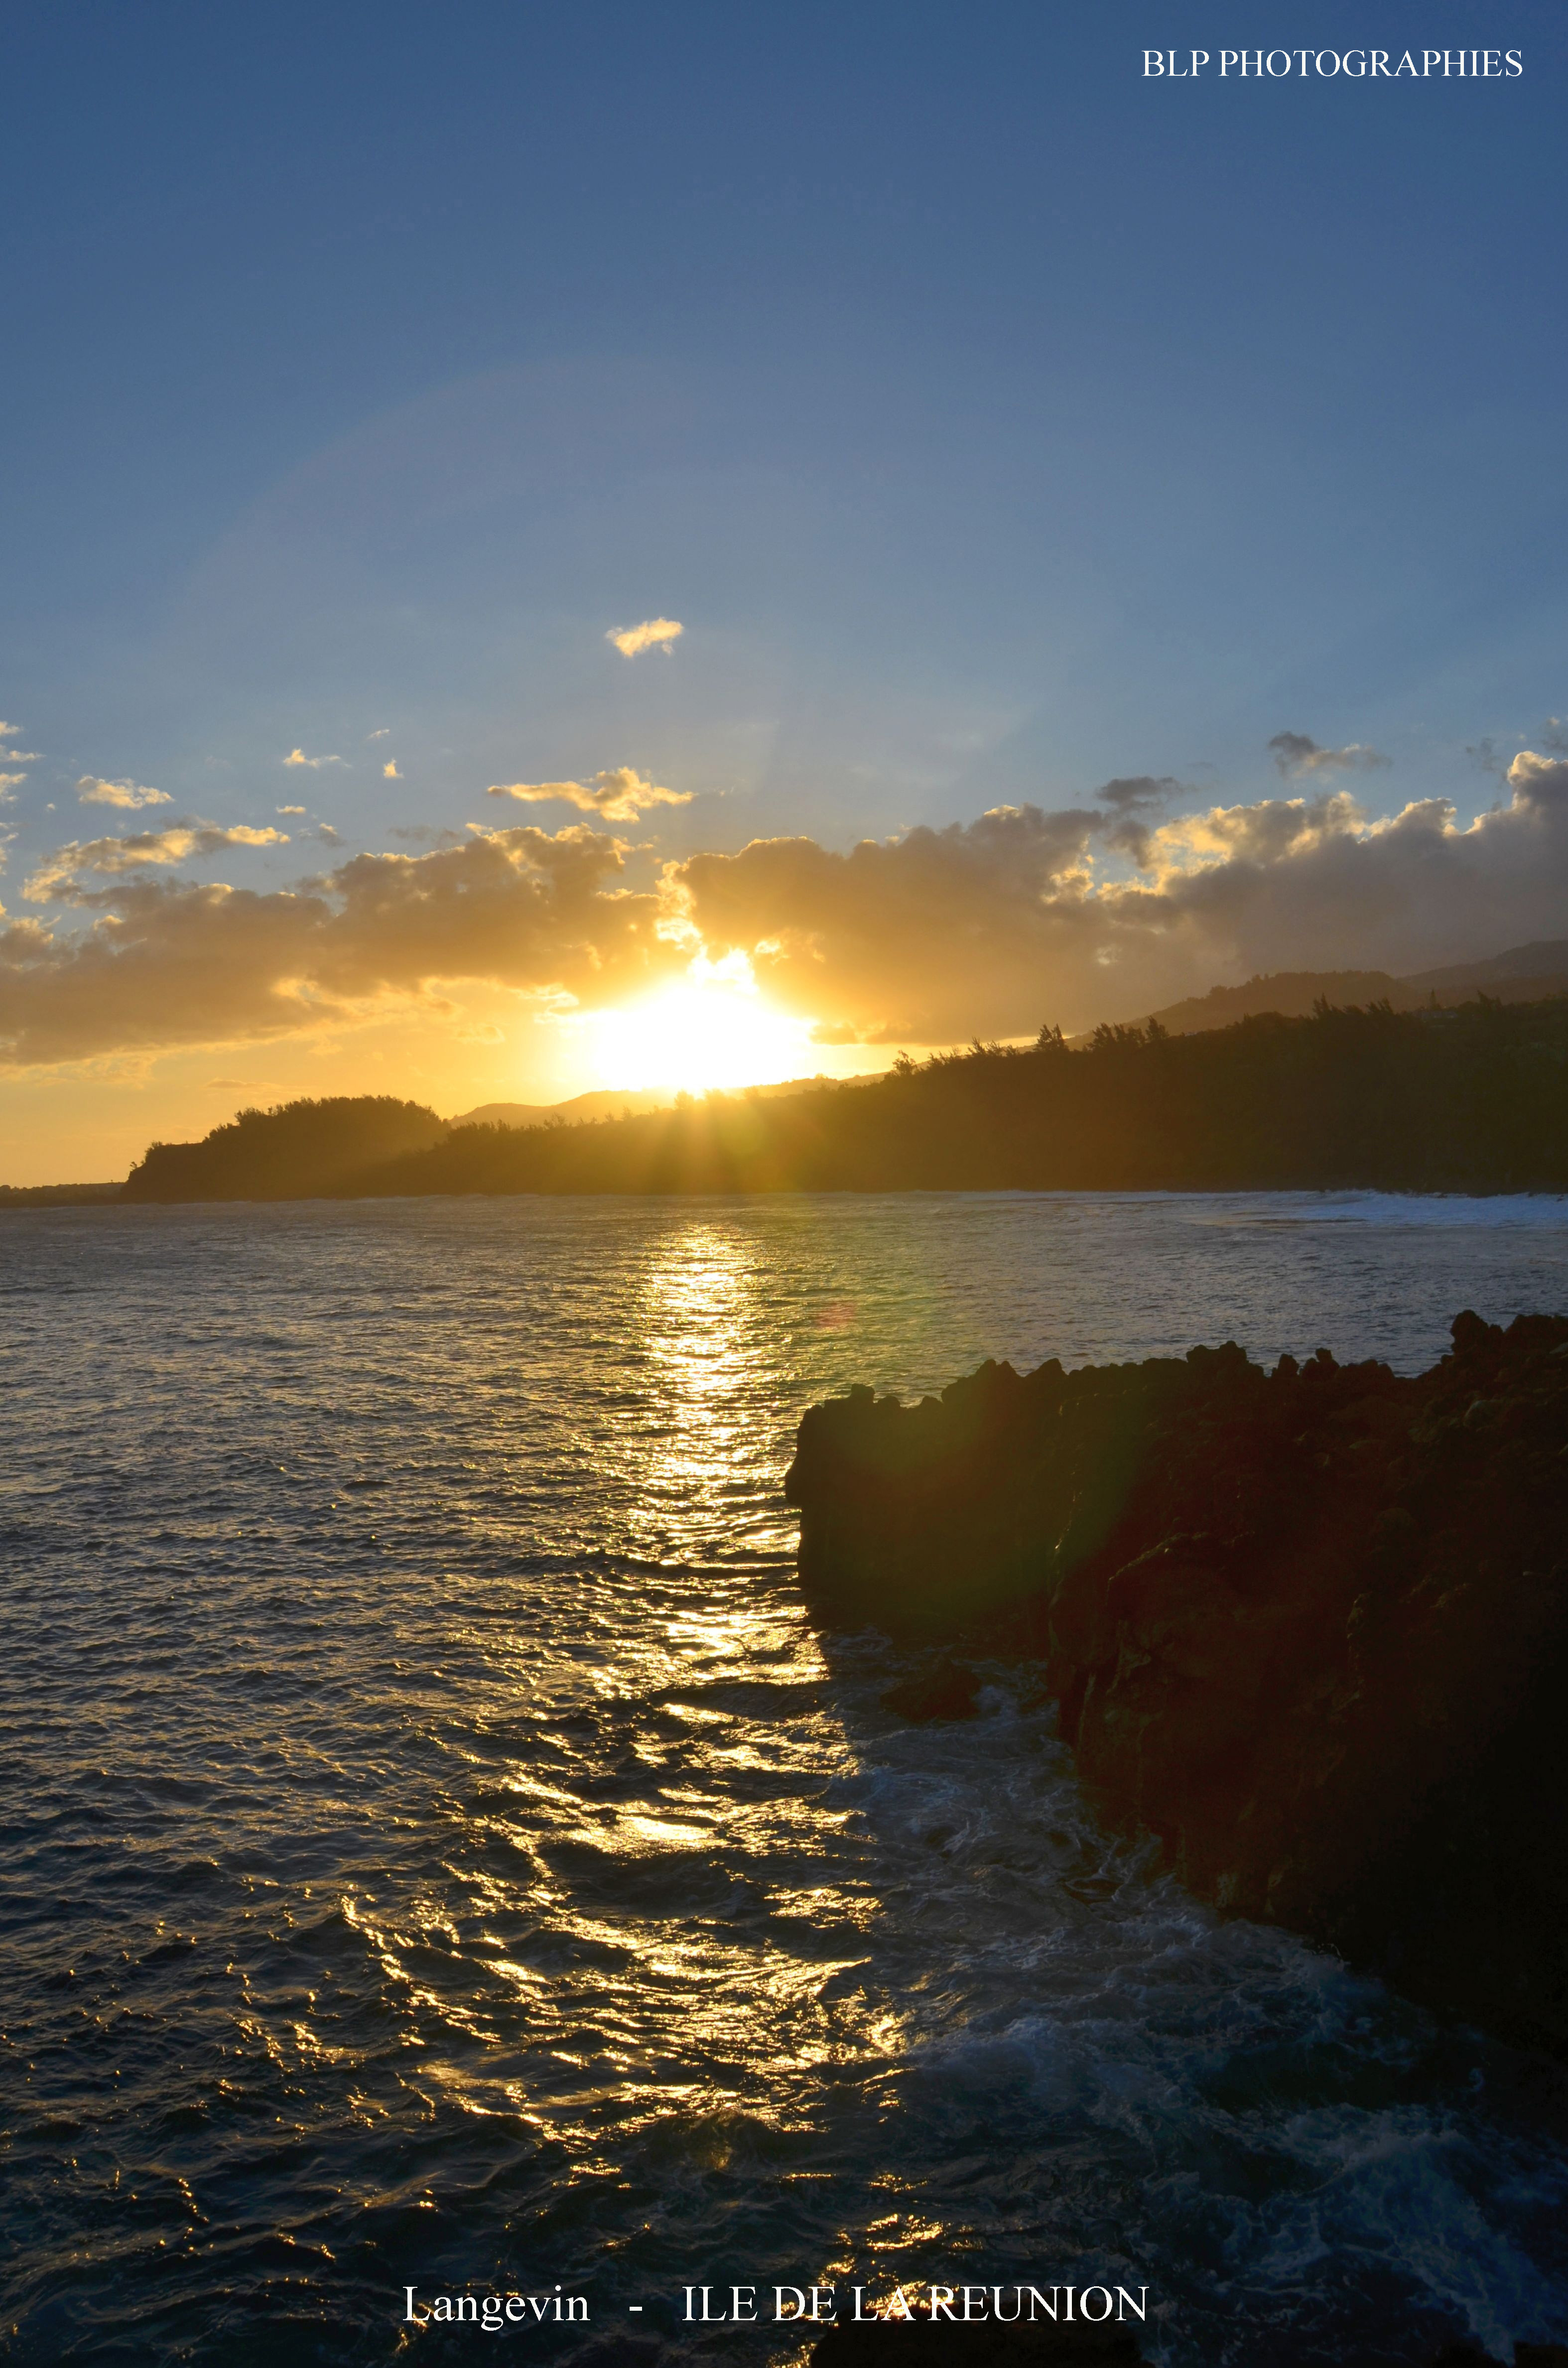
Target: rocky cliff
x: 1308, y: 1627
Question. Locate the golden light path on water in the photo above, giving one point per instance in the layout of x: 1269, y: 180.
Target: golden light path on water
x: 754, y: 2012
x: 448, y: 1853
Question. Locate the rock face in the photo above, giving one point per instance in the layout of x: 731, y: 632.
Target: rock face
x: 1308, y: 1627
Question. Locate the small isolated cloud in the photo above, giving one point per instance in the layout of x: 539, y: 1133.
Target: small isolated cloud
x: 290, y: 810
x: 389, y: 771
x: 1138, y: 792
x: 619, y: 795
x: 92, y: 792
x: 384, y: 733
x: 653, y: 633
x: 60, y: 873
x: 298, y: 756
x: 16, y: 756
x: 9, y: 783
x: 1297, y: 755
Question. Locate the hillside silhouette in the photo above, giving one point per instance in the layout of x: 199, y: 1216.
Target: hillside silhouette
x: 1522, y: 974
x: 296, y: 1151
x: 1472, y: 1099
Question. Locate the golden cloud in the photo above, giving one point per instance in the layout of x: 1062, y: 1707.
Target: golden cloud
x: 991, y: 927
x: 653, y: 633
x: 60, y: 873
x: 984, y: 928
x: 92, y: 792
x: 618, y: 796
x: 169, y: 963
x: 1254, y: 834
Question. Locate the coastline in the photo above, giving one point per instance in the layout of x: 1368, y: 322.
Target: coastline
x: 1307, y: 1628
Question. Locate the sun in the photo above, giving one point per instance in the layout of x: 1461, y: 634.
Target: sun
x: 712, y: 1029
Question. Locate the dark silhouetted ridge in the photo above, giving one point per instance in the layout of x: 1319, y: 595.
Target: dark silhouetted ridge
x: 296, y: 1151
x: 1523, y: 975
x: 1469, y: 1100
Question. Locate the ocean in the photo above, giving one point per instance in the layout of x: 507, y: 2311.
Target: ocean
x: 440, y: 1853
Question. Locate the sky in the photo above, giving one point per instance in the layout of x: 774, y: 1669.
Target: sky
x: 551, y: 547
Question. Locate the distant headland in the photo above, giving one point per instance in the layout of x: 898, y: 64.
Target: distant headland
x: 1469, y: 1100
x: 1452, y: 1081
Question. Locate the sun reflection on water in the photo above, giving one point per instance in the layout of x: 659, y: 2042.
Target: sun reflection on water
x: 548, y: 1900
x: 703, y: 1310
x: 662, y: 1938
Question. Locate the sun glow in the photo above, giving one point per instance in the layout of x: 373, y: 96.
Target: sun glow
x: 711, y: 1030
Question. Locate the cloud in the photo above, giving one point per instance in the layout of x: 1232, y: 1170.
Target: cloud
x: 654, y: 633
x: 984, y: 928
x: 290, y: 810
x: 389, y: 771
x: 384, y: 733
x: 618, y: 796
x: 923, y: 939
x: 1553, y: 737
x: 169, y: 963
x: 8, y: 783
x: 1295, y: 754
x: 1130, y: 801
x: 1138, y: 792
x: 991, y: 927
x: 60, y: 875
x: 1540, y: 782
x: 298, y: 756
x: 1254, y: 834
x: 92, y: 792
x: 16, y: 756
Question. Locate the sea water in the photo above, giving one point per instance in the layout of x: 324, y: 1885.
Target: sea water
x: 440, y: 1852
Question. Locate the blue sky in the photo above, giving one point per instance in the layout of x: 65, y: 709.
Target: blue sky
x: 997, y: 421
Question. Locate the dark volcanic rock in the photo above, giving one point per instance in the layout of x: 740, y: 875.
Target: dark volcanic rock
x: 1309, y: 1627
x: 942, y: 1690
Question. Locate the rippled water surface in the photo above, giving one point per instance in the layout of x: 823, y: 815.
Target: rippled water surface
x: 439, y: 1850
